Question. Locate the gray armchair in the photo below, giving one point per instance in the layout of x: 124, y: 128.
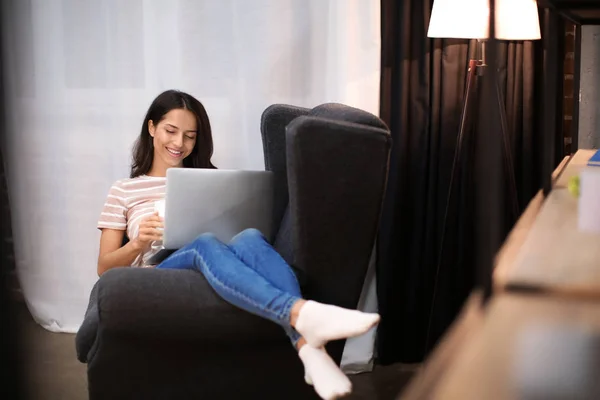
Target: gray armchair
x: 165, y: 334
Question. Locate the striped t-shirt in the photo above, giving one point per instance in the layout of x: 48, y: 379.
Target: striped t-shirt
x: 128, y: 202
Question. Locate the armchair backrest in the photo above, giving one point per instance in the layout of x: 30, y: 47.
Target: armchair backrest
x: 330, y: 165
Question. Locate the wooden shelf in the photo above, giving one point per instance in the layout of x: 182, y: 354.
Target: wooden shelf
x: 544, y: 344
x: 555, y: 257
x: 529, y: 347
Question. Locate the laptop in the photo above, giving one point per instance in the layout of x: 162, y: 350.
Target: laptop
x: 217, y: 201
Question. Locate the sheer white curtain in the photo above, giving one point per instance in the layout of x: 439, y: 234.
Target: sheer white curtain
x: 79, y: 76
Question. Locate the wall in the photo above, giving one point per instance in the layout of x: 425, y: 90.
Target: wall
x: 589, y: 106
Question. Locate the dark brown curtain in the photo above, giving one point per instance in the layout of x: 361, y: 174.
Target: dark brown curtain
x: 11, y: 383
x: 6, y: 248
x: 7, y: 261
x: 422, y: 89
x: 6, y: 241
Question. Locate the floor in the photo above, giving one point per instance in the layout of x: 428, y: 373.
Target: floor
x: 52, y: 372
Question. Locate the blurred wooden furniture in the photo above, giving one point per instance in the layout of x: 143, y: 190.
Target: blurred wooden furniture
x: 522, y: 347
x: 554, y: 256
x: 539, y: 335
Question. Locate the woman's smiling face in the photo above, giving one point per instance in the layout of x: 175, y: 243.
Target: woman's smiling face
x: 173, y: 137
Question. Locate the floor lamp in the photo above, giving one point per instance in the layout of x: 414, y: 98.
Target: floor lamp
x: 469, y: 19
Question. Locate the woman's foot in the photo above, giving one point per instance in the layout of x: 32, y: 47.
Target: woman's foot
x: 319, y: 369
x: 320, y: 323
x: 299, y: 345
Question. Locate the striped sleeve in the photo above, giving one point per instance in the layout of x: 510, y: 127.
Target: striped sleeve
x: 114, y: 213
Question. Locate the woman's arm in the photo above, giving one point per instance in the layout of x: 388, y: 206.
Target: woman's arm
x: 112, y: 254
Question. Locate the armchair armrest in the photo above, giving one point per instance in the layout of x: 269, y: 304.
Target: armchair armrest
x: 168, y: 305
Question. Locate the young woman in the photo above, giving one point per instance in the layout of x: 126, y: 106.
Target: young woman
x: 247, y: 272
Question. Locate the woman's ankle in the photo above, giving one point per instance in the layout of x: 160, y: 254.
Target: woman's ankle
x: 295, y: 311
x: 301, y: 342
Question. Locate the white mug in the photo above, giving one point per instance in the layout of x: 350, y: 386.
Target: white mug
x: 160, y: 207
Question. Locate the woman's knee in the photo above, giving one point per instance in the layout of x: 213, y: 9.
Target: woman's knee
x: 206, y: 239
x: 250, y: 233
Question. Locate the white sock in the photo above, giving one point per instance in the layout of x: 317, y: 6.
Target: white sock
x: 319, y: 323
x: 307, y: 377
x: 328, y: 379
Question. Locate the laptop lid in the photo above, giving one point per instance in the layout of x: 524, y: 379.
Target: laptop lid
x: 222, y: 202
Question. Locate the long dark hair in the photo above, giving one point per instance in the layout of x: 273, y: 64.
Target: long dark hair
x: 143, y: 150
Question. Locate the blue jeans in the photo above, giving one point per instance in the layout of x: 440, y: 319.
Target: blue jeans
x: 247, y: 273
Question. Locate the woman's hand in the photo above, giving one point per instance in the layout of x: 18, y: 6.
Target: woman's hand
x: 150, y: 230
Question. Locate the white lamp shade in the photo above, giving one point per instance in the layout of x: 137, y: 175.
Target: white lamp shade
x: 469, y: 19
